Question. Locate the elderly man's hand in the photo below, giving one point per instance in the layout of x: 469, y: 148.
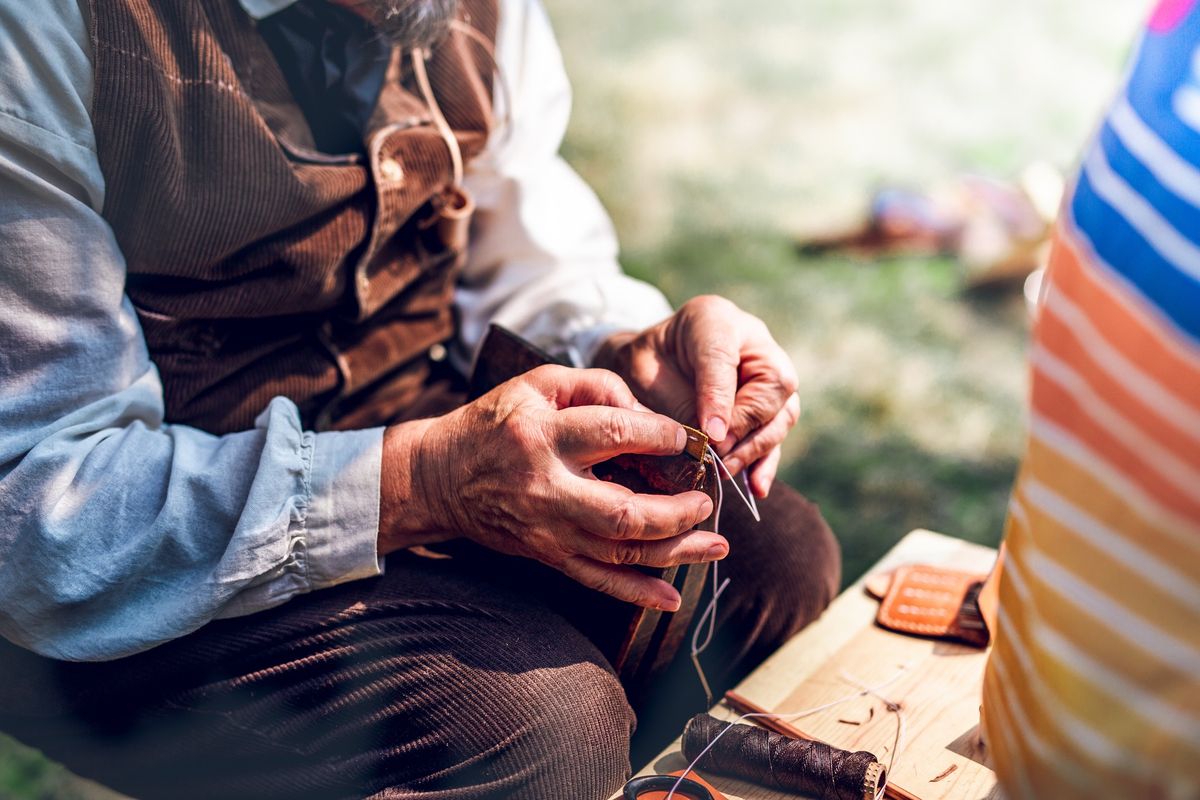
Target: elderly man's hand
x: 714, y: 364
x: 512, y: 471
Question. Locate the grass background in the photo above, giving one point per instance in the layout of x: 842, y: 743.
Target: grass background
x: 718, y: 132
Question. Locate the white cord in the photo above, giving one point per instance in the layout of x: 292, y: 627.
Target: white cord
x: 709, y: 615
x: 748, y: 497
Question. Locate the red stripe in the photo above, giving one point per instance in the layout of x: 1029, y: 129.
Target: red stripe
x: 1054, y: 404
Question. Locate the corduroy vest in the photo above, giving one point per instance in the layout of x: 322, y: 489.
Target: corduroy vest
x: 257, y: 265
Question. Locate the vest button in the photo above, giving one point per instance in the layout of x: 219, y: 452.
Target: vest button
x: 437, y: 352
x: 390, y: 170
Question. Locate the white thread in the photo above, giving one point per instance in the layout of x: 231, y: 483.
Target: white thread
x: 709, y: 617
x: 709, y: 614
x: 872, y: 690
x: 748, y: 497
x: 895, y: 708
x: 710, y: 610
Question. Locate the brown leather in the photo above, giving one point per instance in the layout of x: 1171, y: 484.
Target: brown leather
x: 259, y: 266
x: 504, y: 355
x: 929, y: 601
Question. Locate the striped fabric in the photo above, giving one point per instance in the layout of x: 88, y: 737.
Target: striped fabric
x: 1093, y: 688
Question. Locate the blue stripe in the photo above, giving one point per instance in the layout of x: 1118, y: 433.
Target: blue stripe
x: 1184, y: 216
x: 1128, y: 253
x: 1163, y: 65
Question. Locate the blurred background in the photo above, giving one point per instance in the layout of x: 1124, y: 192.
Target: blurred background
x: 721, y: 134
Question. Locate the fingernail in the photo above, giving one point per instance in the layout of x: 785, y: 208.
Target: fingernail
x: 716, y: 552
x: 680, y: 440
x: 671, y: 605
x: 715, y: 428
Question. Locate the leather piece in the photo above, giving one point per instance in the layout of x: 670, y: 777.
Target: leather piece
x: 934, y: 601
x: 504, y: 355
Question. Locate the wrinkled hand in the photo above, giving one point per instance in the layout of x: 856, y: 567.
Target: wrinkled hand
x: 718, y: 366
x: 512, y: 471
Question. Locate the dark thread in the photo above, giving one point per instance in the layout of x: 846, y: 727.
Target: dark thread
x: 812, y: 769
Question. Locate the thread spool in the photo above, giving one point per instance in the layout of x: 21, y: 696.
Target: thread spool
x: 812, y: 769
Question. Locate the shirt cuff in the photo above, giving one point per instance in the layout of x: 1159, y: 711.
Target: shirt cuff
x: 586, y: 343
x: 626, y: 306
x: 342, y: 528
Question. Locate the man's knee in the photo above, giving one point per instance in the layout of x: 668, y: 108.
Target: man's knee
x: 576, y: 733
x: 562, y: 731
x: 536, y: 713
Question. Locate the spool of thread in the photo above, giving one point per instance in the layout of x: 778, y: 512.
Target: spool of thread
x: 813, y: 769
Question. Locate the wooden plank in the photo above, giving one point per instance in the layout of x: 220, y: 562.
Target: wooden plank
x: 846, y: 639
x: 938, y: 694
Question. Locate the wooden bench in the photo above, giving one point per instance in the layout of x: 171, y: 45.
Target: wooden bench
x: 936, y: 682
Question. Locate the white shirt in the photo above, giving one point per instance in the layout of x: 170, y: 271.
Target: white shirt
x: 119, y: 531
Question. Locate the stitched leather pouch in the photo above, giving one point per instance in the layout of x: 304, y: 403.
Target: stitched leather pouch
x: 934, y: 601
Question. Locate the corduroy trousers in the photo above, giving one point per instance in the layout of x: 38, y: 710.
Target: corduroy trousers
x: 472, y: 676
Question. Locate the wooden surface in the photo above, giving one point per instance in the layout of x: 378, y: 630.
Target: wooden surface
x: 936, y: 683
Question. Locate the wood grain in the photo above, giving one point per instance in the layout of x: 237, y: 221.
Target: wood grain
x: 806, y: 672
x: 743, y: 706
x: 937, y: 694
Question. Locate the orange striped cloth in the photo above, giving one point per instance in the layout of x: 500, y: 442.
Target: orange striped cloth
x: 1093, y: 686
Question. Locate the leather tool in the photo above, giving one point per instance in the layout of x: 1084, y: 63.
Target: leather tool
x: 653, y: 637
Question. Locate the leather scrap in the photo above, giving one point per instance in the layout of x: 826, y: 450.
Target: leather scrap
x: 937, y: 602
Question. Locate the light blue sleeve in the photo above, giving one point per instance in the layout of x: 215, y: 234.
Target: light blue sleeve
x: 118, y: 531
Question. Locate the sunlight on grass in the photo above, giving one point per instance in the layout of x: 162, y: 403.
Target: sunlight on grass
x: 717, y: 133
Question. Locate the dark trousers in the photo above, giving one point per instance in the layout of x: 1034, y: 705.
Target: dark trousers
x: 471, y: 676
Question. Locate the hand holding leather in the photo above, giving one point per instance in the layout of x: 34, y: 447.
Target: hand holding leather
x: 713, y: 364
x: 512, y: 471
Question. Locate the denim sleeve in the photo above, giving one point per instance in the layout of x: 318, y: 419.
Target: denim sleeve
x: 119, y: 531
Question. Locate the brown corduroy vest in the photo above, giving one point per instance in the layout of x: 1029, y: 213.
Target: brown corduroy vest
x: 257, y: 265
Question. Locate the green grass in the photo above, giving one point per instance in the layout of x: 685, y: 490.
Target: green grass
x: 717, y: 132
